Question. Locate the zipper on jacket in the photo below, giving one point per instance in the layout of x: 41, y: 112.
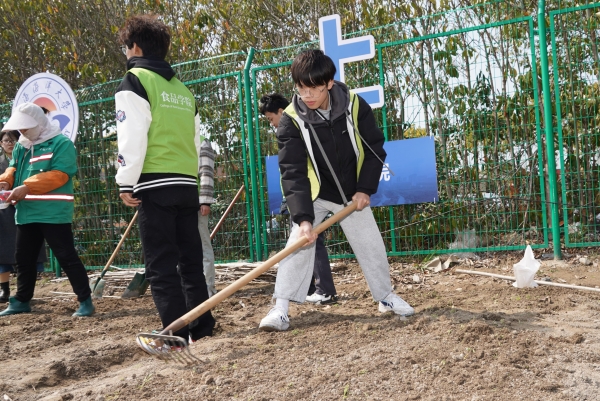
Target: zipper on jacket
x: 337, y: 155
x: 20, y: 167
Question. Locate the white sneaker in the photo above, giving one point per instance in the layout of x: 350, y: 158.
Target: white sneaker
x: 276, y: 320
x: 321, y: 299
x: 393, y: 303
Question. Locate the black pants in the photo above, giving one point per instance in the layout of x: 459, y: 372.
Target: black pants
x: 322, y: 282
x: 168, y: 220
x: 59, y: 237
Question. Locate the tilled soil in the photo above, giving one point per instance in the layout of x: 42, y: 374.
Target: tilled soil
x: 472, y: 338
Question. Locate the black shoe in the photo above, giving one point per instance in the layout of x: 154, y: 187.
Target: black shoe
x: 4, y: 292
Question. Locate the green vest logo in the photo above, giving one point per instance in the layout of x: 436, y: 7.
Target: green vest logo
x: 174, y: 99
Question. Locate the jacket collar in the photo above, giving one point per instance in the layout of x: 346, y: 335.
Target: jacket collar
x: 154, y: 64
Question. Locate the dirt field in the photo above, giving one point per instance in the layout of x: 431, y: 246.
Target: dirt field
x: 472, y: 338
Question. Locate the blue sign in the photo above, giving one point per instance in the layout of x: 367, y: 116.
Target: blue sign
x: 414, y: 179
x: 273, y: 184
x: 345, y: 51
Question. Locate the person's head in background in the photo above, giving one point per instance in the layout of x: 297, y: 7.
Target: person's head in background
x: 8, y: 140
x: 145, y: 36
x: 272, y: 107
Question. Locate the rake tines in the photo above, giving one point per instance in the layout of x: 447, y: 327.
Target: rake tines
x: 169, y: 348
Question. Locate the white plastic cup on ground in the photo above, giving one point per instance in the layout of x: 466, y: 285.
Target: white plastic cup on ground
x: 526, y: 269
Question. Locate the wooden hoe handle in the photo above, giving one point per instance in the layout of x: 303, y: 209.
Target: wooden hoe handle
x: 242, y: 281
x: 235, y: 198
x: 114, y: 254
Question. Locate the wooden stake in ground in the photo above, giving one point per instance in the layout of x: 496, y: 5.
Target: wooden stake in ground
x: 540, y: 282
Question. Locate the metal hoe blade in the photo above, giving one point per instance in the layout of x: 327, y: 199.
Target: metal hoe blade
x: 168, y: 348
x: 137, y: 287
x: 98, y: 288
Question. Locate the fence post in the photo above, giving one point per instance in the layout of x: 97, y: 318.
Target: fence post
x: 252, y: 152
x: 548, y: 128
x: 245, y: 158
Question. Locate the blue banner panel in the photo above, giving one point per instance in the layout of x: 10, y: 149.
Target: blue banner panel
x: 411, y: 160
x: 415, y: 179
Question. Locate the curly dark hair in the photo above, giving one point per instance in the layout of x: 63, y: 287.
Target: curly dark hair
x: 149, y: 33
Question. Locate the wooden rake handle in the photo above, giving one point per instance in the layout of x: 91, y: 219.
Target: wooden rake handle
x: 114, y: 254
x: 235, y: 198
x: 242, y: 281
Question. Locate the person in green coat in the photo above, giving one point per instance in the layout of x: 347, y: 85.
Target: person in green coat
x: 40, y: 176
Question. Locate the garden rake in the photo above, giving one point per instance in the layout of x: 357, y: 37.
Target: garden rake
x: 170, y: 348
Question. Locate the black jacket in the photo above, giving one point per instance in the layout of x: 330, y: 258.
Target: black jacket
x: 334, y: 137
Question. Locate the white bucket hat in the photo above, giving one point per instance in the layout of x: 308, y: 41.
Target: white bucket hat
x: 24, y: 116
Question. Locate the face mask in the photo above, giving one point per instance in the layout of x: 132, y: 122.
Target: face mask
x: 32, y: 134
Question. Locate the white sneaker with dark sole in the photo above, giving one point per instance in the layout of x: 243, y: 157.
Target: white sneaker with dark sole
x: 321, y: 299
x: 276, y: 320
x: 393, y: 303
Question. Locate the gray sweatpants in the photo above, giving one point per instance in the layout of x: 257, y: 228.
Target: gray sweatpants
x: 295, y: 271
x: 208, y: 256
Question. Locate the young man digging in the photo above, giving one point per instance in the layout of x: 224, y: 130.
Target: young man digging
x: 330, y: 151
x: 322, y: 289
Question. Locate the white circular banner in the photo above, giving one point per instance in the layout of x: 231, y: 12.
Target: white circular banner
x: 53, y: 93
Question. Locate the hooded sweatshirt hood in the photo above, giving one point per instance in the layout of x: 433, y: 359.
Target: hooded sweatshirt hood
x: 154, y: 64
x: 35, y: 127
x: 339, y: 96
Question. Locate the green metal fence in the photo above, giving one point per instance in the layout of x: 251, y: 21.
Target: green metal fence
x: 474, y: 78
x: 218, y: 86
x: 482, y: 109
x: 576, y: 78
x: 101, y: 217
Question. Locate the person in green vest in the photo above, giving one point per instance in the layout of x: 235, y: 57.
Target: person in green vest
x: 40, y: 176
x: 330, y: 153
x: 158, y: 135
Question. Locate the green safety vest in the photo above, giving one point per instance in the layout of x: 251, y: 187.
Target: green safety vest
x: 173, y: 108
